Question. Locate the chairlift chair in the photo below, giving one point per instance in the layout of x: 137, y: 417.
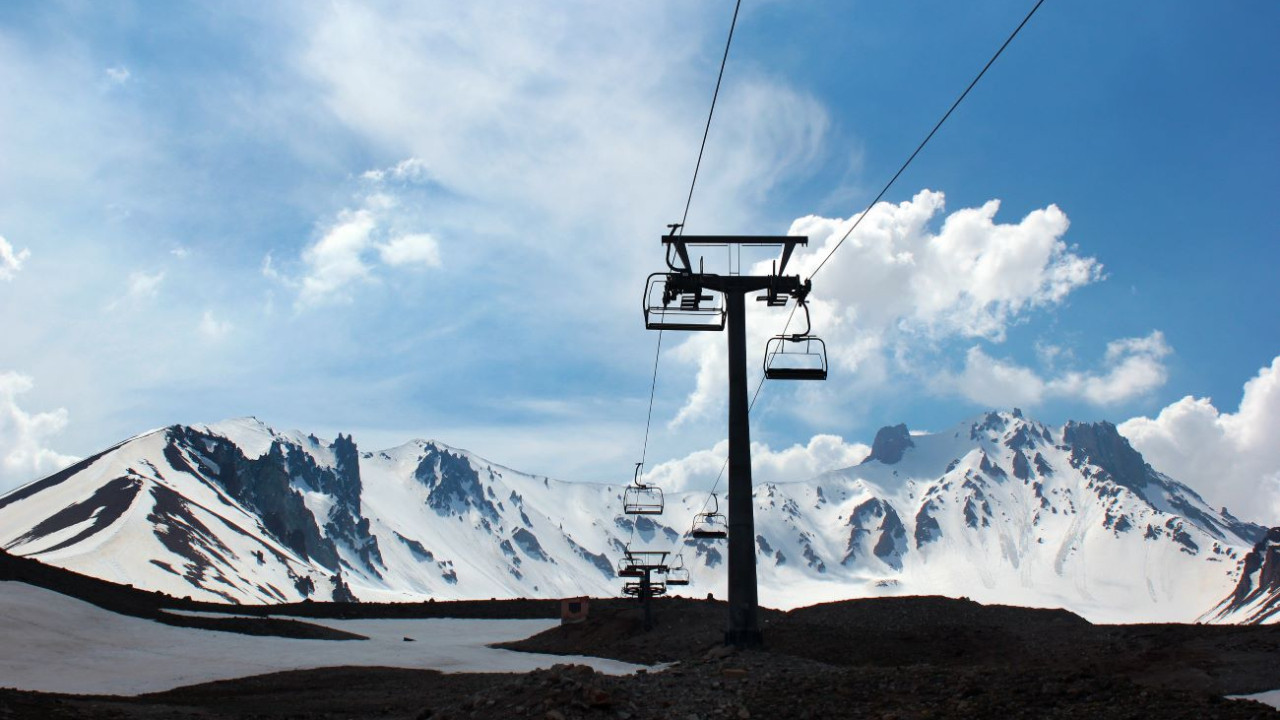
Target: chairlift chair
x: 628, y: 569
x: 801, y: 356
x: 678, y: 574
x: 666, y: 308
x: 795, y: 357
x: 641, y: 499
x: 710, y: 525
x: 633, y: 588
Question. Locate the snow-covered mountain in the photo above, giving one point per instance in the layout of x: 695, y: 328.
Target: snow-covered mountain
x: 999, y: 509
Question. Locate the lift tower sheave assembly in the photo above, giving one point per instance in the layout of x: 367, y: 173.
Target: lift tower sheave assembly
x: 689, y: 299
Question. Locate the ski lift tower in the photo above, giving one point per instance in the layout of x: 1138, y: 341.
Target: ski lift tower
x: 685, y: 298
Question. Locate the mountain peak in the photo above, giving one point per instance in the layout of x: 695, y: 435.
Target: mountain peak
x: 890, y: 443
x: 1102, y: 445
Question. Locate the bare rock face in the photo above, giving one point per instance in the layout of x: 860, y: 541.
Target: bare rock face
x: 1103, y: 446
x: 890, y: 444
x: 1256, y: 598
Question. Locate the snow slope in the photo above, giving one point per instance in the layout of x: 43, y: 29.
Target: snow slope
x: 999, y: 508
x: 53, y: 643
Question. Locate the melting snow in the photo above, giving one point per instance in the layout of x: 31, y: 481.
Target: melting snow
x: 54, y: 643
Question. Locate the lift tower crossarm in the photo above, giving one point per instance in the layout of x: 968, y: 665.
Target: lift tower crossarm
x: 682, y: 243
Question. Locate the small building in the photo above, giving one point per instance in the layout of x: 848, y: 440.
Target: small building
x: 573, y: 610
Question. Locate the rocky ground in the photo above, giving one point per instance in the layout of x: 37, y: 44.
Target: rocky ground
x: 886, y: 658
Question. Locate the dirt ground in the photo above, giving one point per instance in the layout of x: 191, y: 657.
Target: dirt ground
x: 901, y: 658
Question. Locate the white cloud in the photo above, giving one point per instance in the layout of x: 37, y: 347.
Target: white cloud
x: 358, y: 243
x: 997, y: 383
x: 417, y: 249
x: 11, y: 261
x: 213, y: 328
x: 118, y: 75
x: 24, y: 436
x: 1131, y: 368
x: 699, y: 469
x: 141, y: 286
x: 1233, y: 459
x: 144, y: 285
x: 336, y: 260
x: 897, y: 287
x: 971, y: 278
x: 408, y: 170
x: 575, y: 119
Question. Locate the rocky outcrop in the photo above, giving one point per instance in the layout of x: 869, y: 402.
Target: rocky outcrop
x: 1256, y: 598
x: 890, y: 444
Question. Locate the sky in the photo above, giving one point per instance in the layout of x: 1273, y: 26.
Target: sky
x: 436, y: 220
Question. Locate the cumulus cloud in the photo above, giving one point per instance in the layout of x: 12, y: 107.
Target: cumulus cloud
x: 797, y: 463
x: 24, y: 455
x: 337, y: 259
x: 1232, y: 459
x: 1131, y: 368
x: 970, y: 278
x: 898, y: 286
x: 10, y: 260
x: 360, y: 242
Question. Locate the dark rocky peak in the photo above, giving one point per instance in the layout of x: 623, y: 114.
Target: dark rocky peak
x: 1101, y: 445
x: 346, y: 484
x: 1023, y: 437
x: 992, y: 422
x: 890, y: 444
x: 453, y: 484
x: 263, y: 484
x: 1259, y: 585
x: 341, y: 482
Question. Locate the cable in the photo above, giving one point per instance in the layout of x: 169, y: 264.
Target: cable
x: 652, y: 389
x: 707, y: 130
x: 927, y: 138
x: 872, y: 204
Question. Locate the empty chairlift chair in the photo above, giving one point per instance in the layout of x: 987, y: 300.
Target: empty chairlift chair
x: 796, y: 357
x: 678, y: 574
x: 641, y: 499
x: 666, y: 308
x: 710, y: 525
x: 627, y: 569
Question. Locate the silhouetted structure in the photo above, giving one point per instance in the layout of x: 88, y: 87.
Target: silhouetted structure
x: 642, y: 565
x: 687, y: 299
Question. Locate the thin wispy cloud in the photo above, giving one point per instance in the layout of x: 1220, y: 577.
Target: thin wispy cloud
x: 486, y: 186
x: 118, y: 75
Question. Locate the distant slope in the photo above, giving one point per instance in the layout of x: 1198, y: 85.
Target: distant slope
x: 1000, y: 509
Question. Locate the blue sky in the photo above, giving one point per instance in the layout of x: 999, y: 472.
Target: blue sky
x: 435, y: 220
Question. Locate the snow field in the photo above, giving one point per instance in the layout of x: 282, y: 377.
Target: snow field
x: 53, y: 643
